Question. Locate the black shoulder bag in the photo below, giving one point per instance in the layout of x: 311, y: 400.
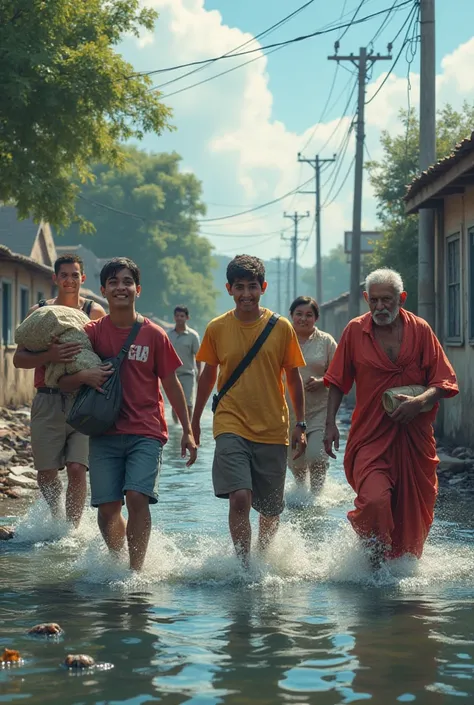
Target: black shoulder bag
x: 242, y: 366
x: 94, y: 413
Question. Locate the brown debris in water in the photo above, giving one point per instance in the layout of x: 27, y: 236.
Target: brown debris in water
x: 6, y: 533
x: 51, y: 629
x: 11, y: 656
x: 79, y: 661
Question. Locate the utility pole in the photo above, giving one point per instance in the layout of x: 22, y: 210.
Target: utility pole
x: 363, y: 63
x: 426, y: 222
x: 317, y: 164
x: 278, y: 261
x: 295, y: 241
x: 288, y: 283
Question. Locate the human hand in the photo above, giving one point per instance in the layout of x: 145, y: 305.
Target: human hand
x: 95, y: 377
x: 196, y: 430
x: 189, y: 444
x: 298, y: 441
x: 331, y: 436
x: 408, y: 409
x: 313, y: 384
x: 63, y: 352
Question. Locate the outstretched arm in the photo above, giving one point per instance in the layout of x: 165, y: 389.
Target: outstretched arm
x: 207, y: 382
x: 175, y: 394
x: 331, y: 434
x: 296, y: 391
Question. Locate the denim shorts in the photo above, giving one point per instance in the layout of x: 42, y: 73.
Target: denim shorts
x: 122, y: 462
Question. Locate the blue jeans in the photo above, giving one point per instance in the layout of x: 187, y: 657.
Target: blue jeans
x: 122, y: 462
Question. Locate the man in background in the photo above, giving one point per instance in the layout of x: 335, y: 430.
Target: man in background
x: 55, y: 444
x: 186, y: 342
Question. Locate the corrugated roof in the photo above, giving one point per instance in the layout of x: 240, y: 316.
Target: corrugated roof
x: 441, y: 167
x: 18, y: 235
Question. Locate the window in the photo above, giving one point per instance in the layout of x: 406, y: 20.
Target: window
x: 7, y: 318
x: 453, y: 279
x: 24, y: 302
x: 470, y: 241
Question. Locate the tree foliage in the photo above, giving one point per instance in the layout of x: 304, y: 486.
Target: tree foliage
x: 389, y: 178
x: 336, y: 274
x: 68, y: 98
x: 148, y: 210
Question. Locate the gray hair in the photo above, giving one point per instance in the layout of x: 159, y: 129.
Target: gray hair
x: 386, y: 276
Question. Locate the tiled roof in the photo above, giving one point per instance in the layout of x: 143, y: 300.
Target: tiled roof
x: 6, y: 253
x: 18, y: 235
x: 441, y: 167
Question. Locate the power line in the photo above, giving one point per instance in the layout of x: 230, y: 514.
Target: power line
x: 260, y: 35
x: 288, y: 42
x: 412, y: 18
x: 256, y: 208
x: 343, y: 183
x: 171, y: 226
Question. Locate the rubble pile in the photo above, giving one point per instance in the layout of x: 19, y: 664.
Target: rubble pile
x: 17, y: 474
x: 456, y: 469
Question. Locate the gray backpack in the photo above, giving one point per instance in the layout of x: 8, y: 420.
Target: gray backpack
x: 94, y: 413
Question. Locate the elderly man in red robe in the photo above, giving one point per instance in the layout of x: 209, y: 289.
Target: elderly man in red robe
x: 390, y: 459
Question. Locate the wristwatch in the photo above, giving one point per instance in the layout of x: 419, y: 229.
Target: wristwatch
x: 302, y: 424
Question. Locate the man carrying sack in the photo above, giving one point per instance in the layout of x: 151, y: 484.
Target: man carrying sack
x: 55, y: 444
x: 390, y: 458
x: 252, y: 348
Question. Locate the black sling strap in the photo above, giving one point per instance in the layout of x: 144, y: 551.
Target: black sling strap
x: 87, y: 306
x: 242, y: 366
x: 130, y: 340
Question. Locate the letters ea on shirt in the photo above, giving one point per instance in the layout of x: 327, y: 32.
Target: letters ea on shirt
x: 139, y: 353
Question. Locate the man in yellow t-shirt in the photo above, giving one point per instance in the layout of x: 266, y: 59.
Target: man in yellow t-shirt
x: 251, y: 420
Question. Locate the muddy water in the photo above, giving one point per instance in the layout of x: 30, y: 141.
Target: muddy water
x: 309, y: 624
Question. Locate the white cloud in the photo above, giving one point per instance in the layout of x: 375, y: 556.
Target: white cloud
x: 228, y: 135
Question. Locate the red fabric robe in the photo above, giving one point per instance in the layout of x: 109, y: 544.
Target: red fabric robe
x: 391, y: 466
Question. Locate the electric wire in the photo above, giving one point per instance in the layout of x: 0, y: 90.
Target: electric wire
x: 258, y: 36
x: 288, y: 42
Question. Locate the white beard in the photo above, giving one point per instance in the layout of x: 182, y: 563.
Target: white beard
x: 388, y: 318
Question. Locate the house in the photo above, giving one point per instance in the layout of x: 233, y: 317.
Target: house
x: 27, y: 256
x: 448, y: 187
x: 335, y: 313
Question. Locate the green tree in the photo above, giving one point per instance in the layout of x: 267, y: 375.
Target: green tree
x: 68, y: 98
x: 389, y: 178
x: 148, y: 210
x: 336, y: 274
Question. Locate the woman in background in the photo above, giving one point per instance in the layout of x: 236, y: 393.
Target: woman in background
x: 318, y: 350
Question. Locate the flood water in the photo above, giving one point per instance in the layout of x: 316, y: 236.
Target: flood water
x: 309, y: 624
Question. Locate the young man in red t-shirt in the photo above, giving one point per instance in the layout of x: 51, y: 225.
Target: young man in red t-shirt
x: 127, y: 459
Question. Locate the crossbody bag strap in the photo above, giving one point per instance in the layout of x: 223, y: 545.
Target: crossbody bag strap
x: 245, y: 362
x: 130, y: 340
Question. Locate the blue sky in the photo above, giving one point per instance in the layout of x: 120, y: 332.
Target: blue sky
x: 240, y: 133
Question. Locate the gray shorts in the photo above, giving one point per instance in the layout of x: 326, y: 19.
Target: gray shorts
x: 188, y: 383
x: 54, y: 443
x: 119, y: 462
x: 240, y: 464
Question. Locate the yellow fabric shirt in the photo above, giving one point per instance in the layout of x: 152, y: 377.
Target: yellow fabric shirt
x: 255, y: 408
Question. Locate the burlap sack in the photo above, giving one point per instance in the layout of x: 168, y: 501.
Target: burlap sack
x: 37, y: 332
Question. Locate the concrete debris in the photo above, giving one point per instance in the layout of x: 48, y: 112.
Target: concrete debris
x: 18, y: 478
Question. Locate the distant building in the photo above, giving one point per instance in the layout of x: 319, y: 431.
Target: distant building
x: 448, y: 187
x: 27, y: 256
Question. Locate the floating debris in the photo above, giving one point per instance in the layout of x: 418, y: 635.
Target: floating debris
x: 79, y: 661
x: 51, y: 629
x: 11, y: 656
x: 6, y: 533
